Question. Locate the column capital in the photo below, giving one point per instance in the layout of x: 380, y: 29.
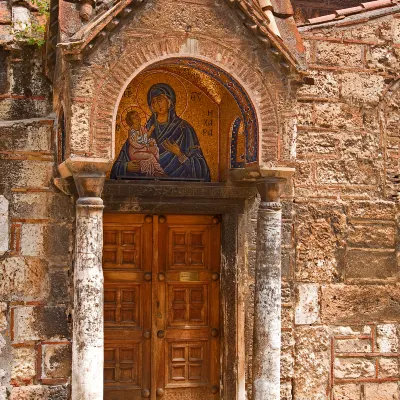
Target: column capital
x: 270, y: 189
x: 89, y: 175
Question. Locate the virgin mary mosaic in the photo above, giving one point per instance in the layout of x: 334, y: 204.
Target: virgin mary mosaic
x: 165, y: 146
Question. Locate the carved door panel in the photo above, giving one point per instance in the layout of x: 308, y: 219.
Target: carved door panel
x: 161, y: 307
x: 127, y: 266
x: 188, y: 298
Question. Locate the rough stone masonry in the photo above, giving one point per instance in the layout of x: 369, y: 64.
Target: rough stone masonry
x: 340, y: 292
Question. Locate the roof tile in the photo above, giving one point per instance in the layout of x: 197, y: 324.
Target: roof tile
x: 324, y: 18
x: 373, y: 5
x: 349, y: 11
x: 364, y: 7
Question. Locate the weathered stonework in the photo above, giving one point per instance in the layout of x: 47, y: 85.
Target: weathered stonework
x: 332, y: 315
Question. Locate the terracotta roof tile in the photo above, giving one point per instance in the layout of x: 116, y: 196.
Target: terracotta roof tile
x: 349, y: 11
x: 372, y: 5
x: 363, y: 7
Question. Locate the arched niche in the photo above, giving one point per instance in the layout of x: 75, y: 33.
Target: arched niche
x: 210, y: 117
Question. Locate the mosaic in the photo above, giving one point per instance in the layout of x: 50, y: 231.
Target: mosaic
x: 183, y: 120
x: 167, y: 129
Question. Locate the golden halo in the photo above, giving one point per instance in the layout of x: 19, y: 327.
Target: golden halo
x: 147, y: 79
x: 143, y: 116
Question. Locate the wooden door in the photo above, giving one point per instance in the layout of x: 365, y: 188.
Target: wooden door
x: 161, y: 307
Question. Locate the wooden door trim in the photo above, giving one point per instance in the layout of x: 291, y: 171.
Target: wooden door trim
x: 128, y: 197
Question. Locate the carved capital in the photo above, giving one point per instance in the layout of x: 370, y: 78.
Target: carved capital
x: 89, y: 175
x: 270, y: 189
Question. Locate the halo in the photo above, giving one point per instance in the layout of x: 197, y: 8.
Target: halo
x: 147, y: 80
x: 143, y: 116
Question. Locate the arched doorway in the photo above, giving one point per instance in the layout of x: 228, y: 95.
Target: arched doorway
x: 171, y: 235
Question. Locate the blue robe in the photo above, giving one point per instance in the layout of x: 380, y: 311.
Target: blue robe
x: 193, y: 164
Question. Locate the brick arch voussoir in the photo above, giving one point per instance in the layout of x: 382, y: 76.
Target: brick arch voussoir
x: 110, y: 90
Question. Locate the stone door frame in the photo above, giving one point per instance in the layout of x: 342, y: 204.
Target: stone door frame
x: 188, y: 198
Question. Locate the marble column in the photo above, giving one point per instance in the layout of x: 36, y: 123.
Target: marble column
x: 267, y: 301
x: 88, y: 319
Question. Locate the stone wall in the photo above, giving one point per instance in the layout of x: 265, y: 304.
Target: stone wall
x: 340, y: 295
x: 344, y: 275
x: 35, y: 229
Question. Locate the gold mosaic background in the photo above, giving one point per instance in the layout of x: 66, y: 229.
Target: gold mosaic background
x: 197, y: 103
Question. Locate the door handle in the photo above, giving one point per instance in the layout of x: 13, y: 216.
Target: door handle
x: 160, y: 392
x: 145, y: 393
x: 161, y: 334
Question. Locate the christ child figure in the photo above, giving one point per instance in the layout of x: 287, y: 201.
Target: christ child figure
x: 143, y: 151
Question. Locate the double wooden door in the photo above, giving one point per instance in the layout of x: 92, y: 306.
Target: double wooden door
x: 161, y: 307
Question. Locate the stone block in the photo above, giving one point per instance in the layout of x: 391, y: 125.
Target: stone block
x: 365, y: 88
x: 382, y: 391
x: 354, y: 368
x: 352, y: 330
x: 39, y: 392
x: 40, y: 323
x: 26, y: 173
x: 373, y: 210
x: 352, y: 304
x: 3, y: 316
x: 286, y: 391
x: 387, y: 339
x: 371, y: 264
x: 287, y: 317
x: 49, y: 240
x: 340, y: 54
x: 287, y: 365
x: 32, y: 240
x: 359, y: 172
x: 23, y: 278
x: 41, y: 205
x: 80, y: 117
x: 312, y: 362
x: 28, y: 79
x: 319, y: 232
x: 23, y: 368
x: 353, y: 345
x: 5, y: 13
x: 326, y: 85
x: 305, y: 114
x: 338, y: 116
x: 347, y: 392
x: 26, y: 136
x: 381, y: 57
x: 363, y: 145
x: 59, y: 282
x: 21, y: 18
x: 316, y: 144
x: 56, y: 361
x: 372, y: 236
x: 307, y: 307
x: 388, y: 367
x: 3, y: 344
x: 3, y: 393
x: 4, y: 225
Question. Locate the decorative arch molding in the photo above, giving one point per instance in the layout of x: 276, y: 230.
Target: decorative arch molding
x: 151, y: 52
